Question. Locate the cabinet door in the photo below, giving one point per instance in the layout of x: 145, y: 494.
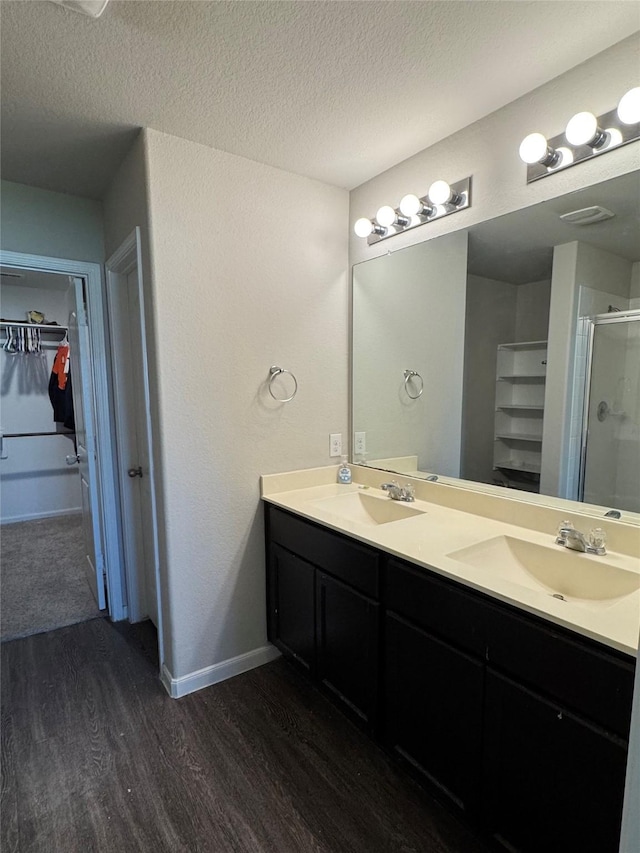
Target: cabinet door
x: 433, y: 708
x: 347, y: 648
x: 552, y: 782
x: 292, y: 606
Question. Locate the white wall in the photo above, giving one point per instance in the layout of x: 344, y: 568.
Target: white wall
x: 490, y: 320
x: 408, y: 312
x: 488, y: 150
x: 249, y: 270
x: 532, y: 310
x: 35, y: 481
x: 56, y: 225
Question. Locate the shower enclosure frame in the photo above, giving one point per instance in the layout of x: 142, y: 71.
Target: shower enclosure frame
x: 630, y: 316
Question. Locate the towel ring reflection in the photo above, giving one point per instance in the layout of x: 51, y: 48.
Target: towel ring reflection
x: 276, y: 371
x: 408, y: 375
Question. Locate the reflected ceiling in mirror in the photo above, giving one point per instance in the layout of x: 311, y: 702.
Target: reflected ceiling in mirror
x: 494, y: 322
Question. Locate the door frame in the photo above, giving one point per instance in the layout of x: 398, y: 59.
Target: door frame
x: 629, y: 316
x: 124, y: 260
x: 105, y: 445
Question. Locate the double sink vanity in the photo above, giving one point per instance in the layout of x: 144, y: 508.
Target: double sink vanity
x: 495, y: 664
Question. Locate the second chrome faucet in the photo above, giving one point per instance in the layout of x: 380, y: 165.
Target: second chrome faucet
x: 577, y: 541
x: 397, y: 492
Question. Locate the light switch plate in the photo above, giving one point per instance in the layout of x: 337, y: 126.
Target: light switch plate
x: 335, y: 444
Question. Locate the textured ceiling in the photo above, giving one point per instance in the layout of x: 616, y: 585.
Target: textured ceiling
x: 338, y: 91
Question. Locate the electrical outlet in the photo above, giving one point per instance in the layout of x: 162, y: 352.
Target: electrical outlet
x: 335, y: 444
x: 359, y: 443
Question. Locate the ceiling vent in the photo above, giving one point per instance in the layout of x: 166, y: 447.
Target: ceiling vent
x: 93, y: 8
x: 587, y: 215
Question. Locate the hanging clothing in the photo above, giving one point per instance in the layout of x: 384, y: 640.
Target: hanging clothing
x: 60, y: 392
x: 61, y: 365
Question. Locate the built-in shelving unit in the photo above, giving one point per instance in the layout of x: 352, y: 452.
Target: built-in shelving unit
x: 521, y: 370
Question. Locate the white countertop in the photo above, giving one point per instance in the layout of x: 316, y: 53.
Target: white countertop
x: 430, y: 538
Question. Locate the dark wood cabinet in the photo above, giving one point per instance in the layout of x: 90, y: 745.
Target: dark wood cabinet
x: 552, y: 781
x: 520, y: 722
x: 433, y: 709
x: 292, y: 606
x: 347, y: 645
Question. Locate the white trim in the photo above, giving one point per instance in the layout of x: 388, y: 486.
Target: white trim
x: 177, y: 687
x: 33, y: 516
x: 92, y: 273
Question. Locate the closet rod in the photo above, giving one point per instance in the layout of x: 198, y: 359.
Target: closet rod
x: 44, y: 327
x: 31, y: 434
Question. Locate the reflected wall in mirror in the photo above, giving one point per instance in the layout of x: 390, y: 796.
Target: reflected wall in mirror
x: 512, y: 327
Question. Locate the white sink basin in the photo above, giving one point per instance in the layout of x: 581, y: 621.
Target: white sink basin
x: 556, y: 571
x: 366, y: 509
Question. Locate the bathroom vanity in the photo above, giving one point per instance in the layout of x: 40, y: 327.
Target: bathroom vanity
x: 511, y: 703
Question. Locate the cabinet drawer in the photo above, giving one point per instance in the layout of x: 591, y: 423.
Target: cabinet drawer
x: 343, y: 558
x: 589, y: 680
x: 440, y: 607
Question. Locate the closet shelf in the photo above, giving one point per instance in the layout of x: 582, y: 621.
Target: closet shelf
x: 519, y: 407
x: 515, y: 407
x: 516, y: 465
x: 42, y: 327
x: 511, y: 436
x: 532, y: 345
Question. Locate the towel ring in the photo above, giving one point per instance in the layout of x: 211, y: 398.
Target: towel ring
x: 408, y: 375
x: 276, y: 371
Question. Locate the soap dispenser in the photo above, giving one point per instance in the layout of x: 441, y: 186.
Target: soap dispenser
x: 344, y: 472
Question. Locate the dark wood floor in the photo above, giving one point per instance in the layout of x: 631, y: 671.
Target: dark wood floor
x: 97, y: 757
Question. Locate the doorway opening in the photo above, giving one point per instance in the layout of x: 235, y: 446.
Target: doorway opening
x: 46, y: 563
x: 92, y: 504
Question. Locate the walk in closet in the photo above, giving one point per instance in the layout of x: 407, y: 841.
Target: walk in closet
x: 43, y: 554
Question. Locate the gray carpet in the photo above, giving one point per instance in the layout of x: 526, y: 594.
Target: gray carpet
x: 43, y: 585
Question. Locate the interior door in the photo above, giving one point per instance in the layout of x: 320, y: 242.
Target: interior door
x: 82, y: 390
x: 128, y: 347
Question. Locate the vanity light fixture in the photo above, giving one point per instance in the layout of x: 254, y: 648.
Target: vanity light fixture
x: 585, y: 136
x: 441, y: 200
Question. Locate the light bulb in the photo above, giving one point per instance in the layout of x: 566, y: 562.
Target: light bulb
x: 534, y: 148
x: 386, y: 215
x: 565, y: 157
x: 363, y: 227
x: 582, y: 129
x: 614, y: 137
x: 629, y: 107
x: 410, y: 205
x: 440, y: 192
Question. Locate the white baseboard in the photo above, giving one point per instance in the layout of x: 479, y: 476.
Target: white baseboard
x: 177, y: 687
x: 33, y: 516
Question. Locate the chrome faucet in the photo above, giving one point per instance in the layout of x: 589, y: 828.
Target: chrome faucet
x: 399, y: 493
x: 571, y: 538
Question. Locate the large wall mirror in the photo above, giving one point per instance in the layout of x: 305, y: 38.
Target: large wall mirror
x: 508, y: 355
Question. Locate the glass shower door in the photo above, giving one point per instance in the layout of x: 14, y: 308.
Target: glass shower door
x: 611, y: 432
